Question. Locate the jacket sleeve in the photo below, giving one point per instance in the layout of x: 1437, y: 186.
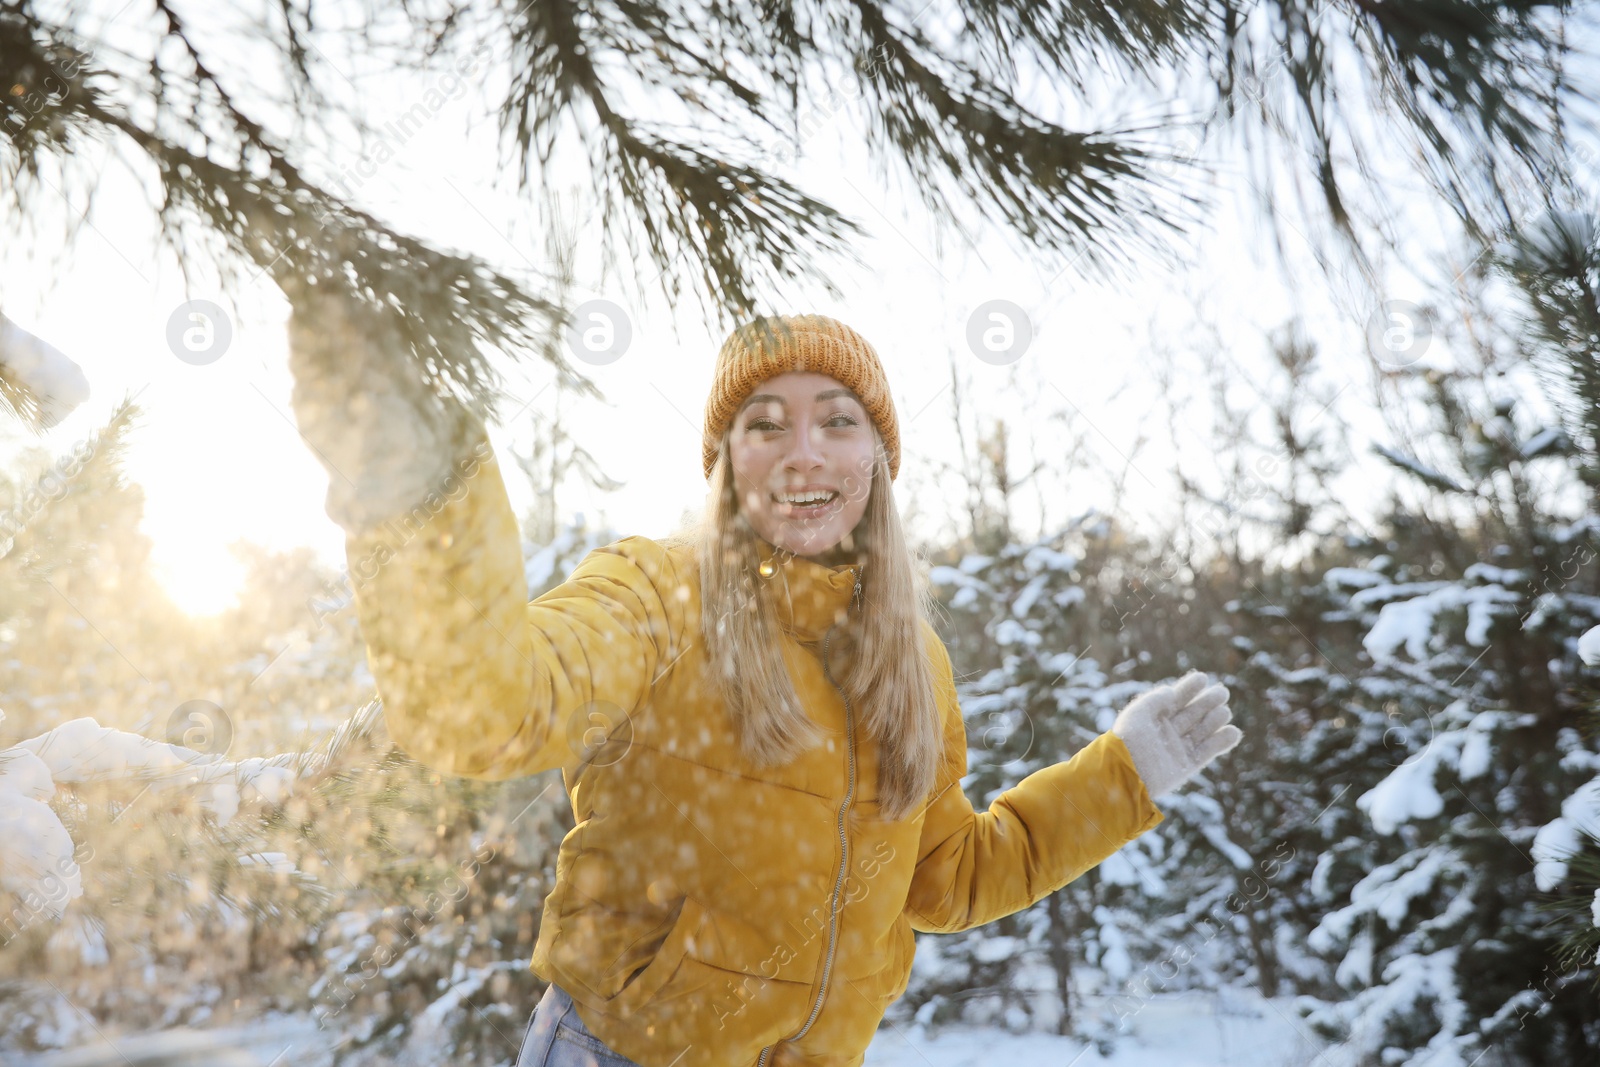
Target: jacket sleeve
x: 476, y: 680
x: 1055, y: 824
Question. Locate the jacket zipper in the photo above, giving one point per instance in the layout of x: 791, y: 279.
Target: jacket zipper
x: 844, y: 844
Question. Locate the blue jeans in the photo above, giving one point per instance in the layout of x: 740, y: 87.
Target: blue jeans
x: 556, y: 1037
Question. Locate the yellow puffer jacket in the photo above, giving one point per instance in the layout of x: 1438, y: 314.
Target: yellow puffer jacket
x: 706, y: 912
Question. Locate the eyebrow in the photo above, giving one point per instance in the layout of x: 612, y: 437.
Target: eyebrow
x: 826, y: 394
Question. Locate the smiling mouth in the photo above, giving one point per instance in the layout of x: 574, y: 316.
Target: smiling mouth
x: 805, y: 509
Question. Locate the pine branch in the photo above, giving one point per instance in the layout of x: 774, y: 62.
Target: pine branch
x: 451, y: 311
x: 1072, y: 192
x: 1415, y: 467
x: 746, y: 230
x: 1081, y: 38
x: 1476, y: 85
x: 1556, y: 265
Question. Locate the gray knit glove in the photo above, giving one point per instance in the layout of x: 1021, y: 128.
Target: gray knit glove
x: 388, y: 442
x: 1173, y: 731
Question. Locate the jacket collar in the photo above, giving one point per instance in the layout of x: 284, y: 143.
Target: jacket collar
x: 809, y: 597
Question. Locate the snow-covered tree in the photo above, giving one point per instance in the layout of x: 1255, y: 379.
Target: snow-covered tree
x: 1051, y: 637
x: 1468, y: 673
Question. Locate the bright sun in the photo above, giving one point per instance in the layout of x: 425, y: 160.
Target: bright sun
x: 204, y: 580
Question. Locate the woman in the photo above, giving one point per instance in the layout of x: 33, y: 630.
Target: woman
x: 756, y: 725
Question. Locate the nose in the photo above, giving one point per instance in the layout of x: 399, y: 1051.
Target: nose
x: 803, y: 454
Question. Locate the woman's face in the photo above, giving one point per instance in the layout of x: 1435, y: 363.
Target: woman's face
x: 802, y: 434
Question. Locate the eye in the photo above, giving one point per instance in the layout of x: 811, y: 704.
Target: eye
x: 848, y: 420
x: 761, y: 423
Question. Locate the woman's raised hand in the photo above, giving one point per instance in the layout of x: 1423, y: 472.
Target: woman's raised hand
x: 386, y: 439
x: 1173, y: 731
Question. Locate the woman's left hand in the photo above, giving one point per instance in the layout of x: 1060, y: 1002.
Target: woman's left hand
x: 1173, y: 731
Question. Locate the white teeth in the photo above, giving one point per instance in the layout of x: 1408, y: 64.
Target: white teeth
x: 806, y: 498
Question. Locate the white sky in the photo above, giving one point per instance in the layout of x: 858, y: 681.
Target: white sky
x: 219, y: 459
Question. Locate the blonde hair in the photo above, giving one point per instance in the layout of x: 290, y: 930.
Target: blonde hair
x: 889, y: 680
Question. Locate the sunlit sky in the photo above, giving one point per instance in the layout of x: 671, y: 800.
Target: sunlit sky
x: 219, y: 459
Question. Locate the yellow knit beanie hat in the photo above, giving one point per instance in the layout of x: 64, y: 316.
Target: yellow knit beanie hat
x: 766, y: 347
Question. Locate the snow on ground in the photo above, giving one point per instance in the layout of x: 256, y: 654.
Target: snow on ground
x: 274, y: 1040
x: 1234, y: 1028
x: 1194, y: 1029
